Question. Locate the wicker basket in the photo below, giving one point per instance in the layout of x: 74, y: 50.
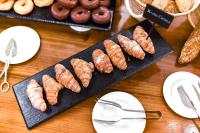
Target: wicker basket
x: 131, y: 5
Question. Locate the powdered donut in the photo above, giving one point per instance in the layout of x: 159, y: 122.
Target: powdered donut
x: 23, y: 7
x: 43, y: 3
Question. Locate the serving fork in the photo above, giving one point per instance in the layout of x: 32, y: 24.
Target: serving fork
x: 157, y: 114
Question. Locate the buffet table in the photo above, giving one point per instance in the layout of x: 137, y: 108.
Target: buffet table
x: 59, y: 42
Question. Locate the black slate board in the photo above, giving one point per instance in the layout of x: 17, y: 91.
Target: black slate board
x: 98, y: 83
x: 44, y: 15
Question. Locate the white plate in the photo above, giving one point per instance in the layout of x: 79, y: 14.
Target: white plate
x: 172, y: 97
x: 27, y: 41
x: 102, y: 111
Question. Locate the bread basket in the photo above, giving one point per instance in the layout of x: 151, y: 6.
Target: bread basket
x: 136, y: 8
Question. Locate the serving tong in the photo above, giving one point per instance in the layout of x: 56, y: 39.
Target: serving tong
x: 10, y: 52
x: 155, y: 114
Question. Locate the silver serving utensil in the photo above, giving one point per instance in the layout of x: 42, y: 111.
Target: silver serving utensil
x: 156, y: 114
x: 10, y: 52
x: 114, y: 121
x: 186, y: 100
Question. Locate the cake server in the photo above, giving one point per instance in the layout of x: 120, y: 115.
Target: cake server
x: 186, y: 100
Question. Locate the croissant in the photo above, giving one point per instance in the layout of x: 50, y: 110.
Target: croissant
x: 171, y: 7
x: 35, y: 95
x: 83, y: 70
x: 146, y: 1
x: 65, y: 77
x: 131, y: 47
x: 51, y: 88
x: 115, y: 53
x: 161, y: 4
x: 184, y: 5
x: 102, y: 61
x: 191, y: 48
x: 140, y: 36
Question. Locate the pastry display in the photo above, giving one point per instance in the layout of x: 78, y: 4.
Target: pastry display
x: 69, y: 3
x: 82, y: 12
x: 105, y: 3
x: 51, y: 88
x: 59, y: 12
x: 141, y: 37
x: 131, y: 47
x: 23, y: 7
x: 83, y: 70
x: 89, y: 4
x: 77, y: 11
x: 6, y: 5
x: 80, y: 15
x: 191, y: 48
x: 115, y: 53
x: 65, y: 77
x: 35, y: 95
x: 101, y: 15
x: 43, y: 3
x: 184, y: 5
x: 102, y: 61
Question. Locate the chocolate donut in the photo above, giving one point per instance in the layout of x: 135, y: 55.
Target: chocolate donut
x: 69, y: 3
x: 101, y: 15
x: 59, y: 12
x: 89, y: 4
x: 80, y: 15
x: 105, y: 3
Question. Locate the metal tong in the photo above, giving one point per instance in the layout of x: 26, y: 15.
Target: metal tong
x: 154, y: 114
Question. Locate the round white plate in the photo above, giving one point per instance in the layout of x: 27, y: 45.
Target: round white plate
x: 107, y: 112
x: 27, y: 41
x: 171, y: 94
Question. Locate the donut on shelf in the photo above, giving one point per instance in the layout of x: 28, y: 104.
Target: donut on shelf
x: 89, y: 4
x: 59, y: 12
x: 101, y: 15
x: 80, y: 15
x: 69, y: 3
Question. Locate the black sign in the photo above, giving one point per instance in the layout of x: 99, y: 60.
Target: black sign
x: 158, y: 16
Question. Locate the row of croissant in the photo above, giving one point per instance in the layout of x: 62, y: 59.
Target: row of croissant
x: 84, y: 70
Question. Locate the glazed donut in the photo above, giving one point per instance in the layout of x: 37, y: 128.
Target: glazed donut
x: 80, y: 15
x: 101, y: 15
x: 43, y: 3
x: 23, y: 7
x: 105, y: 3
x: 6, y: 5
x: 69, y: 3
x: 89, y: 4
x: 59, y: 12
